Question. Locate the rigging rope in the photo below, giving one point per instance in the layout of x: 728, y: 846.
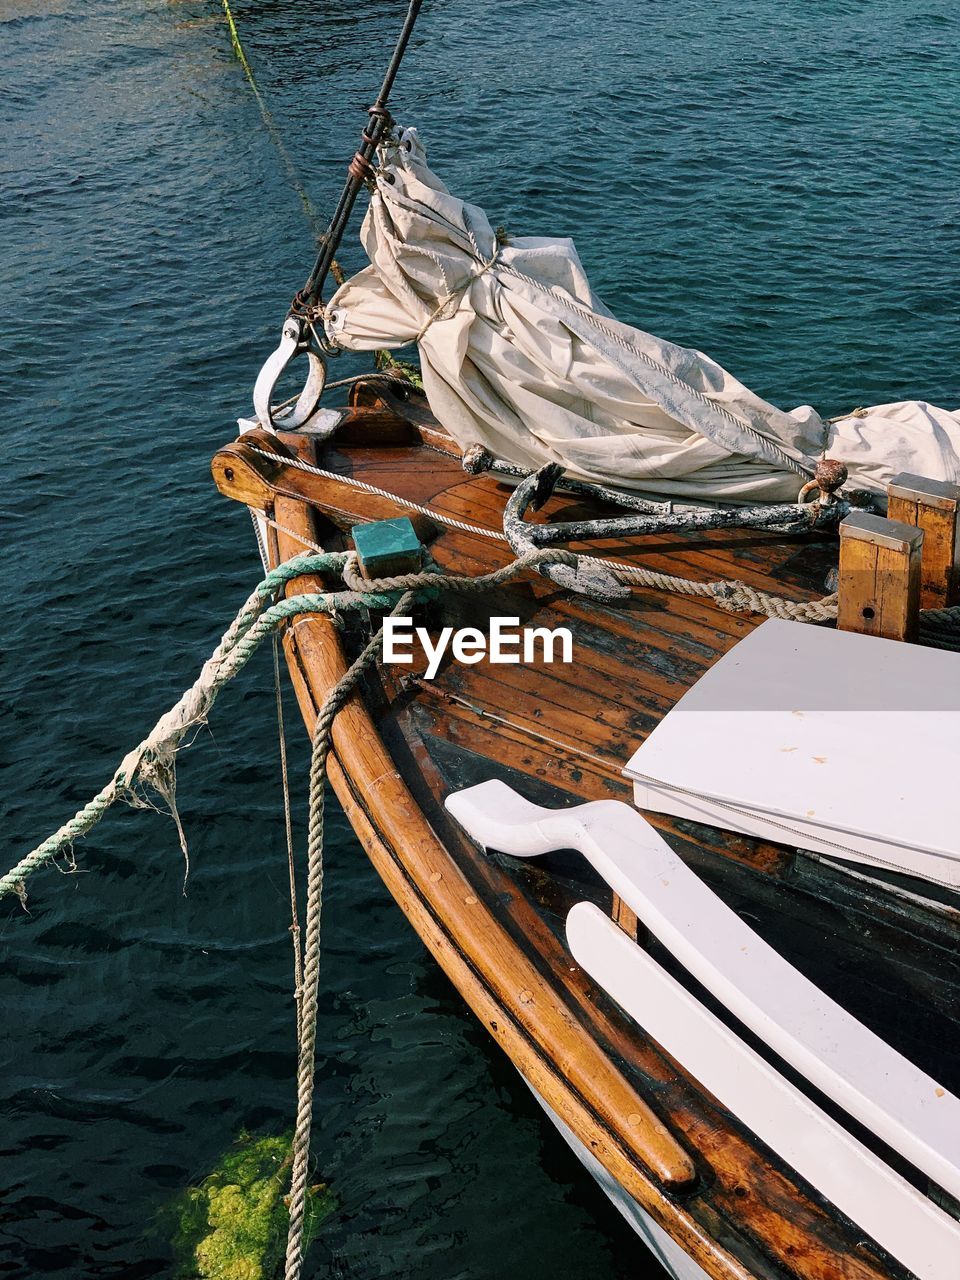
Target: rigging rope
x: 496, y: 534
x: 731, y: 595
x: 313, y: 216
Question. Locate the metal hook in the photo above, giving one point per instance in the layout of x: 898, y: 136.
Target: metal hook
x: 293, y: 343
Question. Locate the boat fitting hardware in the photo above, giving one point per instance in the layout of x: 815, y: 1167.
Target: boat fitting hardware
x: 586, y: 578
x: 294, y: 342
x: 830, y: 476
x: 477, y: 459
x: 306, y: 309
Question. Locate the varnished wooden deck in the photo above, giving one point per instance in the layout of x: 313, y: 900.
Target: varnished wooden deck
x: 563, y: 734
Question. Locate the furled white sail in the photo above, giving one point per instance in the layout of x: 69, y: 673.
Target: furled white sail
x: 520, y: 356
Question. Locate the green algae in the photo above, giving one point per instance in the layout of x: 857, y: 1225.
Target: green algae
x: 233, y: 1226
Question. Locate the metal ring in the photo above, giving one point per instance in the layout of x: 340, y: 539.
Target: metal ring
x: 292, y: 344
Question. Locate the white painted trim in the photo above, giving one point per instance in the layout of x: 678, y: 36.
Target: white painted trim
x: 851, y: 1064
x: 837, y: 742
x: 861, y: 1185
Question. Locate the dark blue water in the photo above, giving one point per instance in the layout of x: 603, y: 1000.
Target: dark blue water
x: 775, y: 183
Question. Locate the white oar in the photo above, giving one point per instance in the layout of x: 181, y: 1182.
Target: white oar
x: 861, y: 1185
x: 856, y: 1068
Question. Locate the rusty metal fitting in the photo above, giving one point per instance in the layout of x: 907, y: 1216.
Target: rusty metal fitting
x: 301, y: 307
x: 829, y: 477
x: 360, y: 167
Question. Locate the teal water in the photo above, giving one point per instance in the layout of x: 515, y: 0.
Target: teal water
x: 775, y: 183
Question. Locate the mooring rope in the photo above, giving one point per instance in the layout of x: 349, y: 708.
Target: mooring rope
x: 288, y: 832
x: 306, y: 1058
x: 151, y: 763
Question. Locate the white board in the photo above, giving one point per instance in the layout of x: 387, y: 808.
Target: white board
x: 851, y: 1064
x: 859, y: 1183
x: 830, y: 740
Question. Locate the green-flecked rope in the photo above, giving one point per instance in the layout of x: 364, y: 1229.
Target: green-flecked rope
x: 238, y: 47
x: 150, y: 764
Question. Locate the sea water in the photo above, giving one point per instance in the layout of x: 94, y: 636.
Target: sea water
x: 774, y: 183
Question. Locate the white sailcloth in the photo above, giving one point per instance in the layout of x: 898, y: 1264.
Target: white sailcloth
x: 519, y: 355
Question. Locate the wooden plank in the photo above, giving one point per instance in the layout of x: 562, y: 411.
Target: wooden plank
x: 626, y: 918
x: 934, y: 507
x: 247, y: 477
x: 879, y: 587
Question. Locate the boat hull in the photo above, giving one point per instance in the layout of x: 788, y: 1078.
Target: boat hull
x: 676, y: 1263
x: 697, y: 1186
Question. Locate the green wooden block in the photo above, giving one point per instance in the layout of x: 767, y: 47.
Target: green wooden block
x: 387, y: 547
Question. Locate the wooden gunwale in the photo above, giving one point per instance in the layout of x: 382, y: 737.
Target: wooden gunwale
x: 375, y: 799
x: 361, y: 771
x: 738, y: 1167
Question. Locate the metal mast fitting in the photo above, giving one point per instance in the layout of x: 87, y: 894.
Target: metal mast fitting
x: 299, y: 334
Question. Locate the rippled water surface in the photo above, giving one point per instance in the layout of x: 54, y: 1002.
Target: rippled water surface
x: 776, y: 183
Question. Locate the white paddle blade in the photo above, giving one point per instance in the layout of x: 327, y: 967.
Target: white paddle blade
x: 861, y: 1185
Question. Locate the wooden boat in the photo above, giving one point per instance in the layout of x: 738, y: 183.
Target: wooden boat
x: 705, y: 1193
